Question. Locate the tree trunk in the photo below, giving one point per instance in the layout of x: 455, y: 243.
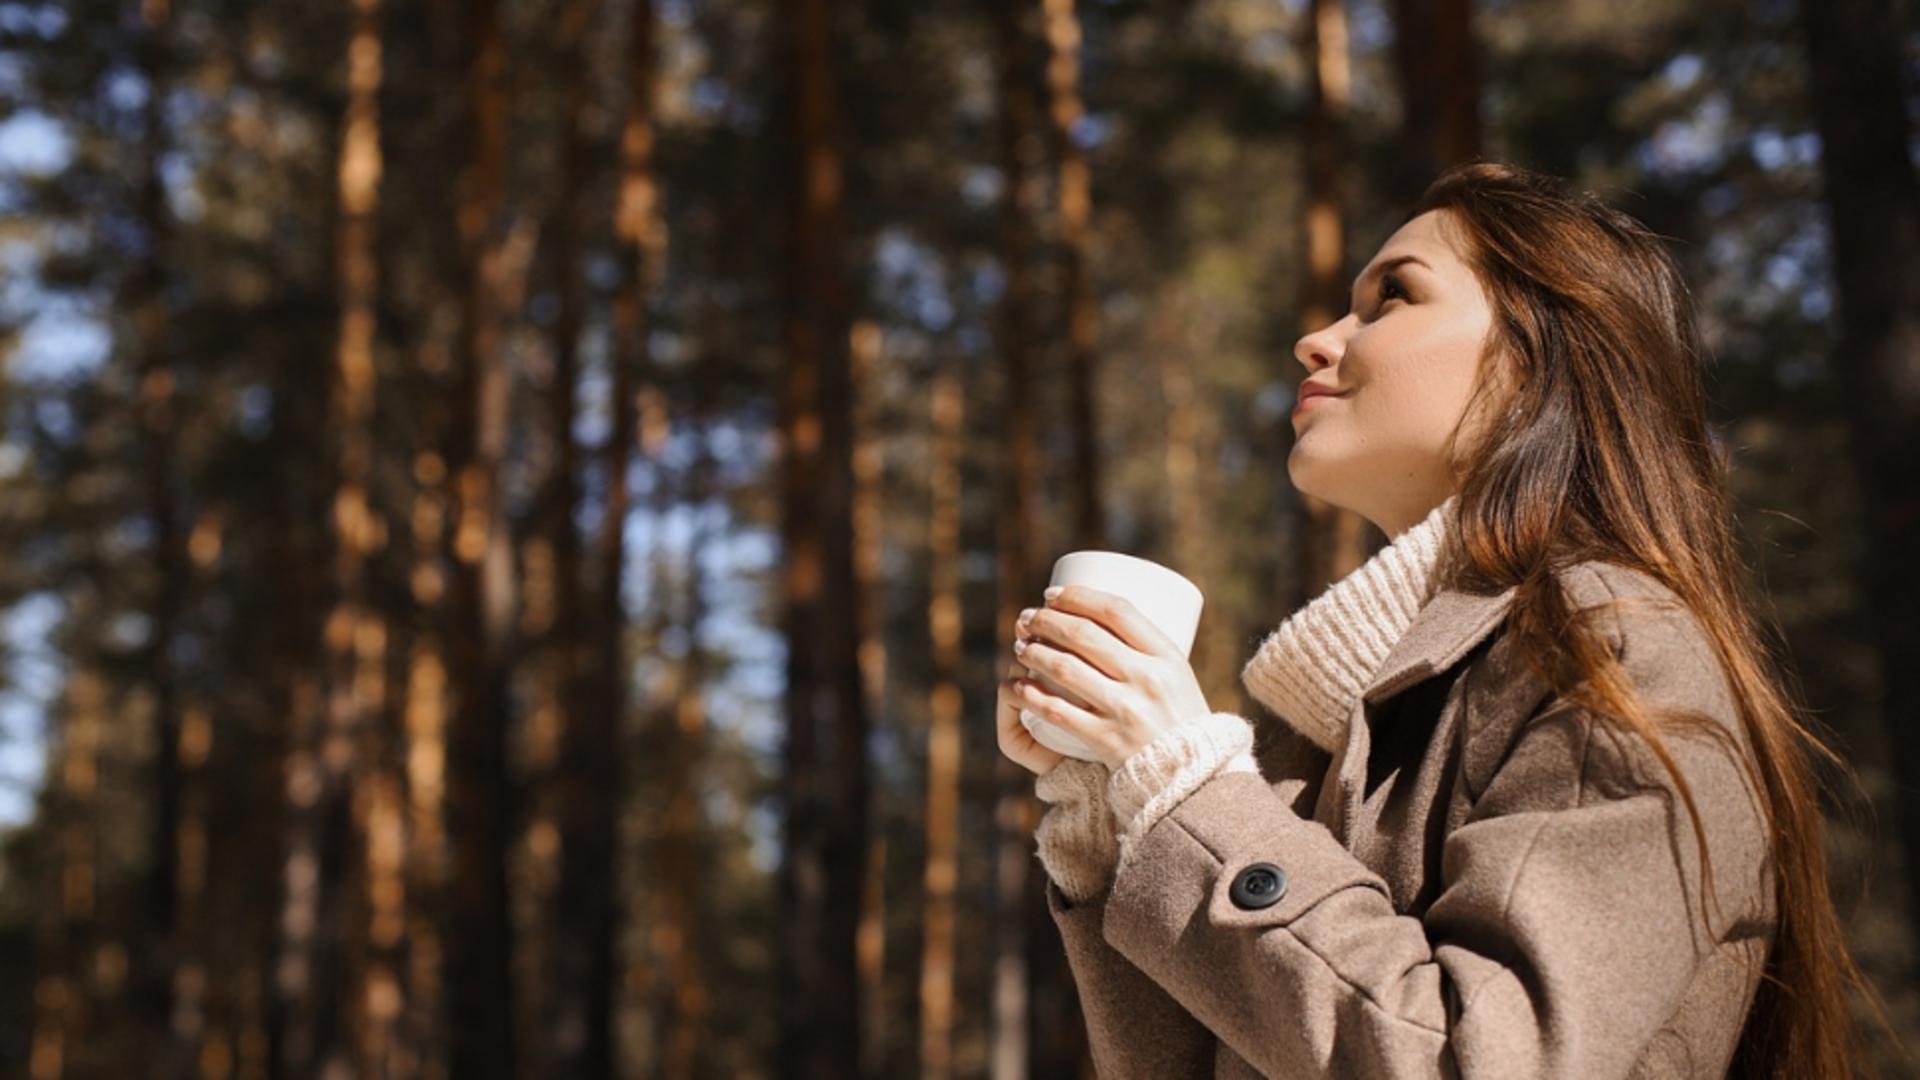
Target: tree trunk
x: 63, y: 994
x: 946, y: 706
x: 683, y: 867
x: 1176, y: 337
x: 357, y: 747
x: 640, y: 237
x: 679, y: 935
x: 425, y: 724
x: 296, y: 558
x: 479, y: 970
x: 157, y: 967
x: 1873, y: 203
x: 826, y: 776
x: 195, y: 979
x: 1438, y: 62
x: 578, y: 1025
x: 869, y: 460
x: 1332, y: 542
x: 1027, y: 954
x: 1076, y: 216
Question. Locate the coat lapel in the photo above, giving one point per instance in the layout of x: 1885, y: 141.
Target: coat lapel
x: 1446, y: 628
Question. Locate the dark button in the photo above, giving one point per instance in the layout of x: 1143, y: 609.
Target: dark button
x: 1259, y: 885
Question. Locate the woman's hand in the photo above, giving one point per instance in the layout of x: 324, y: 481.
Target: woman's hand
x: 1100, y: 648
x: 1016, y: 742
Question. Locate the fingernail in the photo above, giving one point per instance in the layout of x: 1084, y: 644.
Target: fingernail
x: 1053, y: 591
x: 1026, y: 616
x: 1019, y: 647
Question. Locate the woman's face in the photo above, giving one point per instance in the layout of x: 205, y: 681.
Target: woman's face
x: 1404, y: 362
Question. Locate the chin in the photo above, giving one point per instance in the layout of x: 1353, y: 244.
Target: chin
x: 1308, y: 477
x: 1316, y: 481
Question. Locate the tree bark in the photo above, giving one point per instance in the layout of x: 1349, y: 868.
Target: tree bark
x: 579, y: 1023
x: 638, y: 416
x: 358, y: 747
x: 1179, y: 332
x: 1437, y: 58
x: 1873, y: 204
x: 64, y: 999
x: 1333, y: 542
x: 158, y: 966
x: 322, y: 732
x: 685, y: 1001
x: 1075, y: 192
x: 826, y: 778
x: 424, y: 718
x: 296, y: 558
x: 869, y: 469
x: 946, y: 704
x: 480, y: 798
x: 1030, y: 975
x: 640, y: 239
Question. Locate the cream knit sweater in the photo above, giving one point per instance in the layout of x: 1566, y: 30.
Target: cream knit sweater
x: 1309, y: 671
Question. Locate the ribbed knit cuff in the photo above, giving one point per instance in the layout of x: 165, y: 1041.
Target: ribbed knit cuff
x: 1075, y: 837
x: 1154, y: 780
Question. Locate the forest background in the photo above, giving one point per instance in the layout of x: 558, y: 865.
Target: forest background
x: 512, y: 511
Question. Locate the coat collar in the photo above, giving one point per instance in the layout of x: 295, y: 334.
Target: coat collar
x: 1445, y: 629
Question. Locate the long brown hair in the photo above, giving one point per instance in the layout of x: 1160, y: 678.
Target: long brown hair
x: 1589, y: 438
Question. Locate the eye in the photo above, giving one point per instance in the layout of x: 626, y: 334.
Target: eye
x: 1389, y: 287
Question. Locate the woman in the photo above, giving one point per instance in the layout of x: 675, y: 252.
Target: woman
x: 1540, y: 806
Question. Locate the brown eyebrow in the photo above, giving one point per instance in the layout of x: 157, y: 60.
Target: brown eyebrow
x: 1382, y: 269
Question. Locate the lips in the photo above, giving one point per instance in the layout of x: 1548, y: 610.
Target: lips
x: 1310, y: 393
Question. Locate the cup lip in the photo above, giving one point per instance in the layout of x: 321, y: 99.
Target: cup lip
x: 1150, y: 564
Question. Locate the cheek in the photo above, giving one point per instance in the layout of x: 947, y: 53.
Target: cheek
x: 1428, y: 380
x: 1410, y: 401
x: 1428, y: 399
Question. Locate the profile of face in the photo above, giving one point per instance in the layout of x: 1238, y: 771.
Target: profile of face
x: 1401, y: 365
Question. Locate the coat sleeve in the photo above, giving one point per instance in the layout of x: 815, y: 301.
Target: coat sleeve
x: 1133, y: 1027
x: 1567, y: 927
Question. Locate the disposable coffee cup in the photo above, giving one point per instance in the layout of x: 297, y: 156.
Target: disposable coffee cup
x: 1166, y: 597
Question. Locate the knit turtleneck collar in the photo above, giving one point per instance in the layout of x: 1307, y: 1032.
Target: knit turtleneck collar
x: 1313, y: 668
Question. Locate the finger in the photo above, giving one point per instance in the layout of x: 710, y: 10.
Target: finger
x: 1084, y: 638
x: 1025, y: 748
x: 1009, y: 702
x: 1073, y: 675
x: 1117, y: 615
x: 1017, y: 742
x: 1056, y: 710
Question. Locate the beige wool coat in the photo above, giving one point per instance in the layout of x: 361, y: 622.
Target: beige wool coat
x: 1481, y: 882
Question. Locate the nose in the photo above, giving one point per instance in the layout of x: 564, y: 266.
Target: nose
x: 1319, y: 349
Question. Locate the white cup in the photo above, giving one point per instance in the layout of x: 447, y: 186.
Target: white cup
x: 1167, y: 598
